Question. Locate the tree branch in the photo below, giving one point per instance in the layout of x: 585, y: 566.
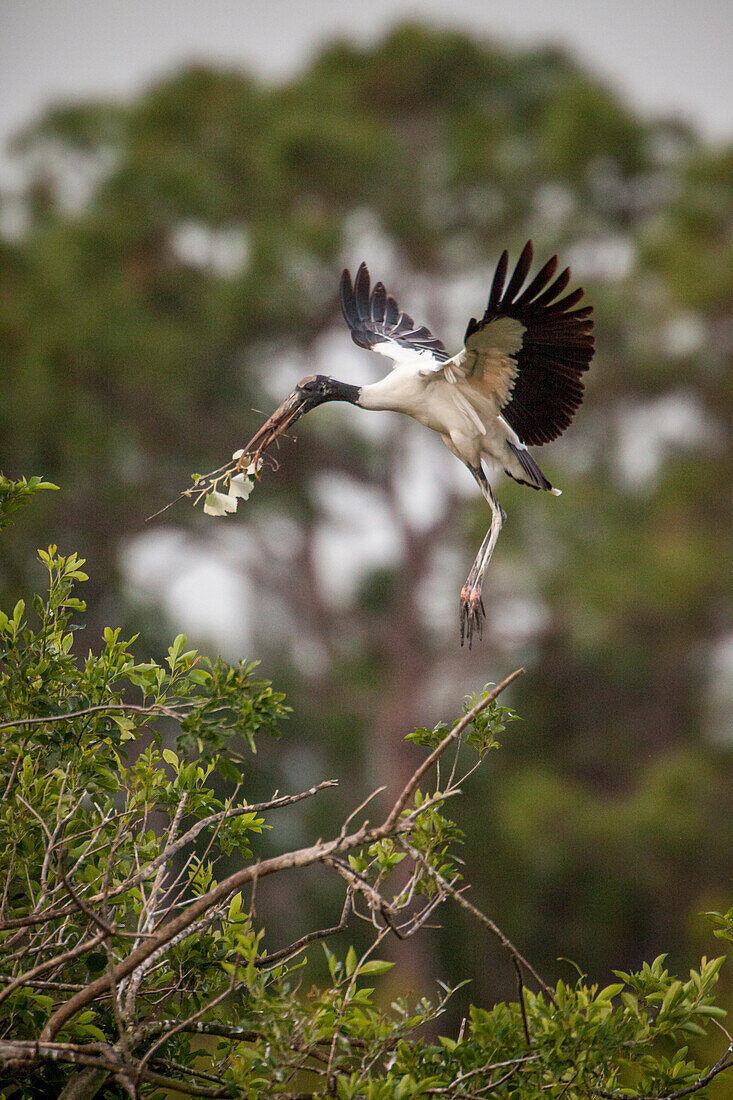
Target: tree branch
x: 321, y: 934
x: 178, y: 927
x: 49, y: 964
x: 168, y: 853
x: 447, y: 740
x: 486, y: 921
x: 155, y: 710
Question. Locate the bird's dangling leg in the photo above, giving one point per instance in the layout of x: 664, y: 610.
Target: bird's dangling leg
x: 472, y: 606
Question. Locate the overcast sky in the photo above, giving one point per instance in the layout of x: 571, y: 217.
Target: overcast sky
x: 664, y: 55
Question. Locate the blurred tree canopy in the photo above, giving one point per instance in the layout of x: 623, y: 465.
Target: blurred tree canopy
x: 177, y: 266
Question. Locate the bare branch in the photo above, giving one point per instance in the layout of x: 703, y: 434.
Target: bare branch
x: 285, y: 953
x: 84, y: 1085
x: 169, y: 853
x: 81, y: 906
x: 17, y: 1053
x: 347, y: 996
x: 359, y: 883
x: 14, y: 771
x: 58, y: 960
x: 181, y: 1026
x: 520, y: 998
x: 361, y: 806
x: 197, y: 1027
x: 486, y: 921
x: 447, y: 740
x: 155, y: 710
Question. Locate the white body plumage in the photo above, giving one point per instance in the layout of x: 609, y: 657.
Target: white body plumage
x: 471, y: 427
x: 460, y: 399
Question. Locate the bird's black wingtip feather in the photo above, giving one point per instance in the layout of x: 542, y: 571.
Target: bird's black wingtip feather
x: 520, y: 273
x: 557, y: 344
x: 375, y: 318
x: 497, y: 286
x: 362, y: 286
x: 348, y: 300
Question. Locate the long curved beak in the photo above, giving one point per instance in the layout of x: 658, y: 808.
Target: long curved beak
x: 292, y: 408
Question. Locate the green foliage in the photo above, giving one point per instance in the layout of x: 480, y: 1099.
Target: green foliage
x: 723, y: 925
x: 91, y: 799
x: 213, y: 702
x: 14, y: 494
x: 483, y: 730
x: 83, y: 780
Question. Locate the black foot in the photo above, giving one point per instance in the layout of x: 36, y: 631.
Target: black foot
x: 472, y: 614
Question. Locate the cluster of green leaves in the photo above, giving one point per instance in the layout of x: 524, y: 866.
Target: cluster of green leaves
x: 84, y: 779
x: 483, y: 730
x: 14, y: 494
x: 290, y: 1035
x: 723, y: 925
x: 623, y: 1037
x: 628, y: 1037
x: 212, y: 702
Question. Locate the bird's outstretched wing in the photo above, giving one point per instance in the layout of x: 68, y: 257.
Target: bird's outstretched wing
x: 377, y: 323
x: 529, y: 350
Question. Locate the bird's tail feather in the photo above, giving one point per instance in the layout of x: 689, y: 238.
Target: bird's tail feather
x: 530, y: 474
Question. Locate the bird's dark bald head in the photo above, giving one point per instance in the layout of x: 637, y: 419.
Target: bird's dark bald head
x: 318, y: 388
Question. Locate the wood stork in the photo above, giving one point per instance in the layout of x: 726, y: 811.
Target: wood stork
x: 517, y: 380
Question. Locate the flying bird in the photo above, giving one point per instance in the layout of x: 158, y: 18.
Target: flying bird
x: 516, y: 382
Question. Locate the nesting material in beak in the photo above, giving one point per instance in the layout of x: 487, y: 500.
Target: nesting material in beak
x: 238, y: 480
x: 283, y: 417
x: 222, y: 489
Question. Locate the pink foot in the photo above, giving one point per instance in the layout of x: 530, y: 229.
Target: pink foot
x: 472, y: 614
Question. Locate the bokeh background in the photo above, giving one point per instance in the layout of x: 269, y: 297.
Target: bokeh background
x: 180, y: 187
